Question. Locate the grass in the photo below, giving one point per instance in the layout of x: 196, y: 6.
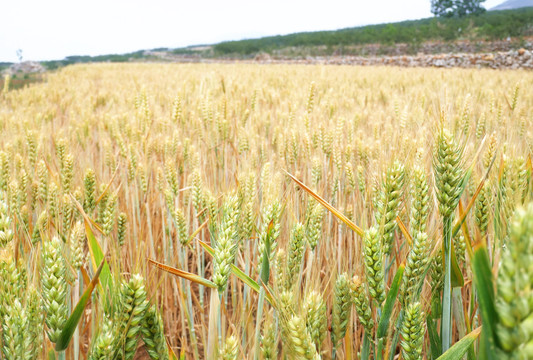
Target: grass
x: 491, y: 25
x: 201, y: 207
x: 20, y: 81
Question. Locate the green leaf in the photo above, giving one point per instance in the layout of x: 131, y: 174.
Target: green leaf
x: 265, y: 266
x: 485, y: 291
x: 365, y: 351
x: 459, y: 349
x: 239, y: 273
x: 51, y: 355
x: 270, y: 296
x: 466, y: 233
x: 97, y: 255
x: 434, y: 339
x: 75, y: 317
x: 235, y: 270
x: 396, y: 336
x: 389, y: 302
x: 457, y: 279
x: 462, y: 217
x: 245, y: 278
x: 464, y: 180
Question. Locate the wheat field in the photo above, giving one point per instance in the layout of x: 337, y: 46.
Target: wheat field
x: 243, y: 211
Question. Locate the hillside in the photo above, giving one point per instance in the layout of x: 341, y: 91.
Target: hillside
x: 513, y: 4
x: 490, y: 26
x: 500, y: 30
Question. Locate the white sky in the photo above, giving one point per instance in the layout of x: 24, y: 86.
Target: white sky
x: 54, y: 29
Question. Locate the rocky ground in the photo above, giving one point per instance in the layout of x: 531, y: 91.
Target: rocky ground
x: 521, y: 58
x: 509, y: 59
x: 25, y: 67
x: 514, y: 59
x: 499, y: 54
x: 429, y: 47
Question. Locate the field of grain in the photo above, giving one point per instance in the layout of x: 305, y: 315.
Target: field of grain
x: 267, y: 212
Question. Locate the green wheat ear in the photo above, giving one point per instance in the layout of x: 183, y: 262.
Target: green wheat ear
x: 448, y: 172
x: 34, y: 307
x: 77, y: 241
x: 13, y: 283
x: 388, y: 203
x: 420, y: 202
x: 413, y: 332
x: 43, y: 176
x: 182, y: 232
x: 54, y: 287
x: 269, y: 338
x: 40, y: 227
x: 109, y: 214
x: 90, y: 191
x: 130, y: 316
x: 122, y: 227
x: 16, y: 337
x: 295, y: 255
x: 153, y: 334
x: 483, y: 209
x: 313, y: 230
x: 415, y: 268
x: 436, y: 273
x: 316, y: 318
x: 514, y: 298
x: 226, y: 245
x: 67, y: 211
x: 270, y: 230
x: 102, y: 346
x: 362, y: 304
x: 450, y: 182
x: 342, y: 305
x: 230, y: 350
x: 4, y: 170
x: 6, y: 232
x: 373, y: 259
x: 300, y: 343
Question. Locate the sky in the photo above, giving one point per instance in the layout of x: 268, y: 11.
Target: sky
x: 54, y: 29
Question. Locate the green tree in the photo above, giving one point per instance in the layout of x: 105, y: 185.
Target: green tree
x: 456, y: 8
